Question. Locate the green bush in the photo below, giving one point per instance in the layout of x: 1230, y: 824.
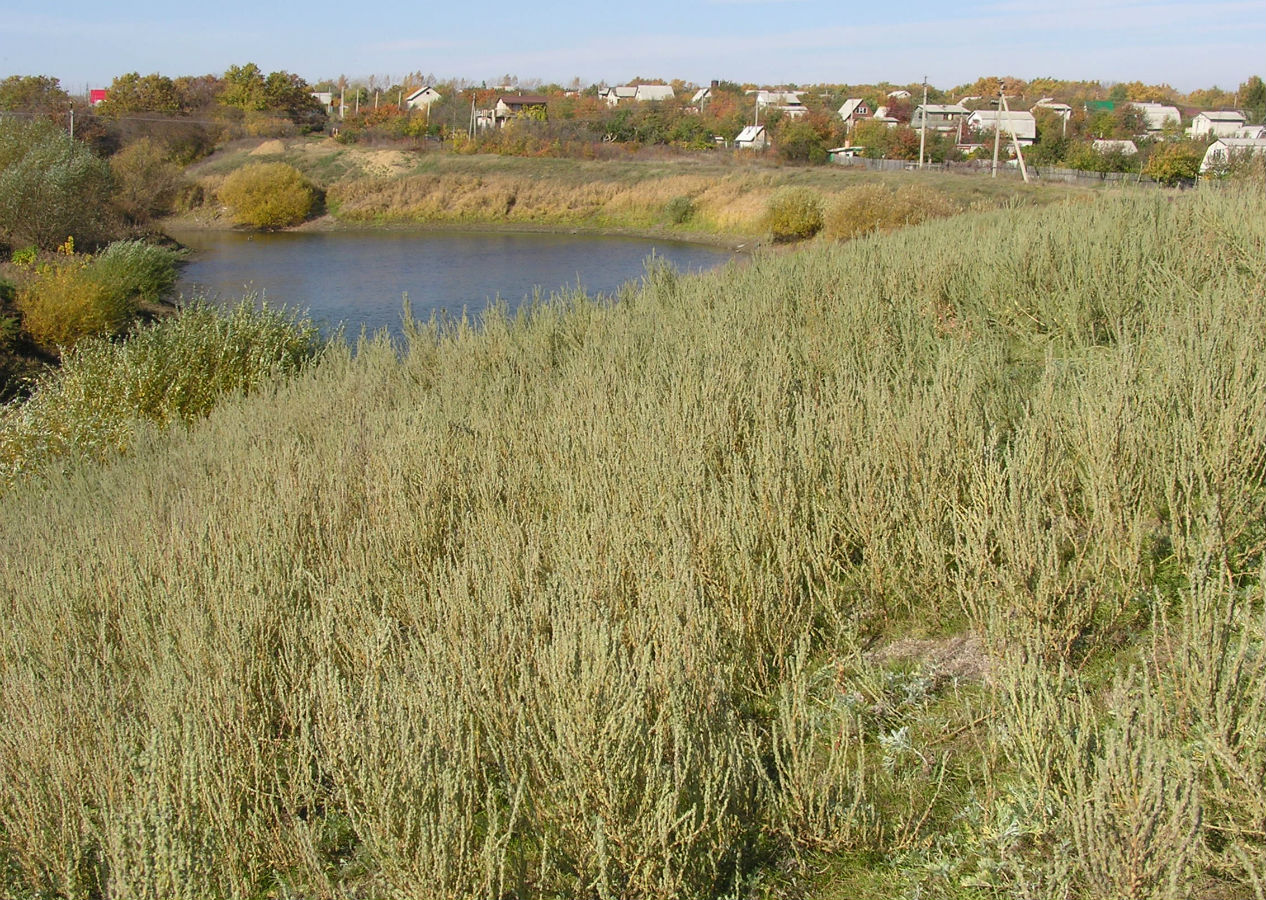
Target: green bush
x: 268, y: 195
x: 794, y: 214
x: 51, y: 187
x: 135, y: 269
x: 680, y: 210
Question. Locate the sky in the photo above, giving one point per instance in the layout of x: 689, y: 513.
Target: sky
x: 1183, y: 43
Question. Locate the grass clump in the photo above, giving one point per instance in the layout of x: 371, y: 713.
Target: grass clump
x: 171, y: 371
x: 268, y: 195
x: 680, y: 209
x: 794, y: 214
x: 873, y: 207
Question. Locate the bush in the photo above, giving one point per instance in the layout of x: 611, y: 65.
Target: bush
x: 268, y: 195
x: 51, y: 187
x: 65, y: 304
x: 680, y: 210
x: 794, y: 214
x: 1173, y: 164
x: 135, y: 269
x: 147, y: 183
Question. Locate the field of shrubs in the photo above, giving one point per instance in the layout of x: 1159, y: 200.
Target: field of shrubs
x: 927, y: 564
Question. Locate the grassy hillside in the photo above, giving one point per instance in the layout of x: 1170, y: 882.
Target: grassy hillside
x: 926, y: 564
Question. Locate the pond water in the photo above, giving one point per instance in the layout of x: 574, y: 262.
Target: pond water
x: 360, y: 278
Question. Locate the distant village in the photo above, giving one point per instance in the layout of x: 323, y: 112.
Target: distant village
x: 1084, y: 126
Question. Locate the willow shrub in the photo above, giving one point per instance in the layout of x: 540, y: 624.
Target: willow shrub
x: 268, y: 195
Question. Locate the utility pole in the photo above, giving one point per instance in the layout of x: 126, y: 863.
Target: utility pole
x: 342, y: 102
x: 72, y: 123
x: 997, y: 132
x: 923, y: 130
x: 1019, y: 154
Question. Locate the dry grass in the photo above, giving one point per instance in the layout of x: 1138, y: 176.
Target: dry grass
x: 575, y: 604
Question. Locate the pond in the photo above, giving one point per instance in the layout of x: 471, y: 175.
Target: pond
x: 359, y: 279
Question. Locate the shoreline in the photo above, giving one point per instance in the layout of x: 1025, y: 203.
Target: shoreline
x: 736, y: 243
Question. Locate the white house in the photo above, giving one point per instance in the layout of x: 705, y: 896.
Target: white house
x: 1218, y: 122
x: 753, y: 137
x: 1125, y: 148
x: 786, y: 102
x: 518, y: 106
x: 638, y: 93
x: 1063, y: 110
x: 704, y: 93
x: 899, y: 94
x: 854, y: 110
x: 1223, y: 150
x: 1017, y: 122
x: 1251, y: 131
x: 422, y: 98
x: 881, y: 115
x: 1157, y: 116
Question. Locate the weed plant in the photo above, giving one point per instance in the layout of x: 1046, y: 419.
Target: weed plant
x: 583, y: 602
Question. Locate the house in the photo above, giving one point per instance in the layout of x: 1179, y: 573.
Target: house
x: 1219, y: 123
x: 1157, y: 116
x: 1251, y: 131
x: 422, y: 98
x: 854, y: 110
x: 1223, y: 150
x: 519, y: 106
x: 1063, y: 110
x: 753, y: 137
x: 844, y: 154
x: 1125, y: 148
x: 899, y: 94
x: 700, y: 96
x: 881, y: 115
x: 325, y: 98
x: 638, y: 93
x: 786, y: 102
x: 1018, y: 123
x: 939, y: 117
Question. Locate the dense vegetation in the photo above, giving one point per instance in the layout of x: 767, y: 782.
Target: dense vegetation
x: 620, y: 599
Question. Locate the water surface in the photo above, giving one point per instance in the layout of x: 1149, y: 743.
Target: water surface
x: 360, y: 278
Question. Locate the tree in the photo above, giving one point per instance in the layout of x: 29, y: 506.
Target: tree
x: 51, y: 187
x: 36, y: 94
x: 1175, y: 163
x: 248, y: 89
x: 133, y: 93
x: 1252, y: 97
x: 798, y: 141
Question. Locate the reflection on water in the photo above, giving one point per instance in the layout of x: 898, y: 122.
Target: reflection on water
x: 360, y: 278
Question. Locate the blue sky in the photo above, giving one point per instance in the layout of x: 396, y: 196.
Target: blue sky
x: 1186, y: 44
